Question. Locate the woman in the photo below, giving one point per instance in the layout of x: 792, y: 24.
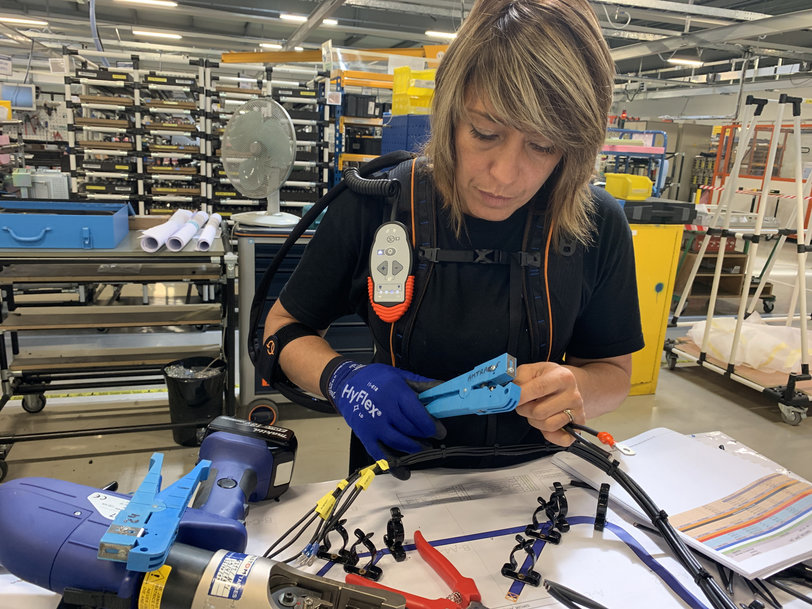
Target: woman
x: 518, y: 117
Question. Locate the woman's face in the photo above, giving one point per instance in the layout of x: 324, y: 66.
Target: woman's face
x: 498, y: 168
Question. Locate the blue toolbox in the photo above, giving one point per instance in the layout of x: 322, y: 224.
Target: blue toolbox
x: 63, y: 224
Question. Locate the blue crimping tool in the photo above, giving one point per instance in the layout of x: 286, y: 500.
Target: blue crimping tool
x: 487, y: 389
x: 143, y: 532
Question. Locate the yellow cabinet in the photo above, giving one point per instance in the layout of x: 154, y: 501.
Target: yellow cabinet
x: 656, y: 255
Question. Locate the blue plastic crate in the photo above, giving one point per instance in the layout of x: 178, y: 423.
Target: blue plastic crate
x: 404, y: 132
x: 62, y: 224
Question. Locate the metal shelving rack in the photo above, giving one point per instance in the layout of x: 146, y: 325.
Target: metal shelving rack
x: 343, y: 117
x: 624, y: 155
x: 105, y: 163
x: 174, y: 107
x: 16, y: 146
x: 121, y: 132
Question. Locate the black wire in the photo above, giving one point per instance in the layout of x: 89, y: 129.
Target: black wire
x: 782, y: 586
x: 295, y: 537
x: 767, y: 594
x: 599, y: 458
x: 587, y: 451
x: 570, y: 597
x: 285, y: 534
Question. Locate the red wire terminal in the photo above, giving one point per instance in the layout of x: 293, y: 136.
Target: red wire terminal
x: 606, y: 438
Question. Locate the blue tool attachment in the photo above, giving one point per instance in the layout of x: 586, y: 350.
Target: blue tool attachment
x: 487, y: 389
x: 143, y: 532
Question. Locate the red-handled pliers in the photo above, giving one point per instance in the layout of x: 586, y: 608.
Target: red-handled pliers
x: 464, y: 595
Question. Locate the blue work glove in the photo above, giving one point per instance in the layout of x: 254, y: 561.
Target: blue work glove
x: 380, y: 404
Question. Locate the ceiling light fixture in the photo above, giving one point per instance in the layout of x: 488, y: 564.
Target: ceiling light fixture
x: 270, y: 45
x: 685, y: 61
x: 22, y: 21
x: 161, y: 3
x: 303, y: 18
x: 444, y: 35
x: 157, y: 34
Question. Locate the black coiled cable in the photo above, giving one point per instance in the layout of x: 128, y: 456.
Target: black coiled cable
x: 370, y: 187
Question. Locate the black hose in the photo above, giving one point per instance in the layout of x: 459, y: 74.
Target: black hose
x: 370, y: 187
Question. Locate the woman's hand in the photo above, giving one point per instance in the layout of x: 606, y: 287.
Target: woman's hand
x: 549, y: 392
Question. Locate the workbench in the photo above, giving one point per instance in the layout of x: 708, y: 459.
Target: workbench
x: 473, y: 517
x: 32, y: 371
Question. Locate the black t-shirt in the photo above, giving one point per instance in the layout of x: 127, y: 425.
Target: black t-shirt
x: 464, y: 318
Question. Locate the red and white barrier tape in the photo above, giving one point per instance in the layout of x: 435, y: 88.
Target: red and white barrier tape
x: 754, y: 192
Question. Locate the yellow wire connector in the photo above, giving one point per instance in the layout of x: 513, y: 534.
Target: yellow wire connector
x: 367, y: 475
x: 325, y: 505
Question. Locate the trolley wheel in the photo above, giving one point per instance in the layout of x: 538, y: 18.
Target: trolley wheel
x: 768, y: 305
x: 263, y: 411
x: 791, y: 415
x: 3, y: 469
x: 33, y: 402
x: 671, y: 360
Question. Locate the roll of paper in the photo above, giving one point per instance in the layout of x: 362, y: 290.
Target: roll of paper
x: 184, y: 234
x: 208, y: 233
x: 153, y: 238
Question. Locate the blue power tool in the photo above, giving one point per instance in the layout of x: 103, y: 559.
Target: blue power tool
x: 105, y: 550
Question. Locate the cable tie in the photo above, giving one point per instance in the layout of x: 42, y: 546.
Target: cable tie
x: 702, y: 574
x: 383, y: 464
x: 613, y: 466
x: 660, y: 517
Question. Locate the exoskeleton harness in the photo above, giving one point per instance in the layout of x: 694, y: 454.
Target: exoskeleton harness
x: 532, y: 270
x: 410, y: 197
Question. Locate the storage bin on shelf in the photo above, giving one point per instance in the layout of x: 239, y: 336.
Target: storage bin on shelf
x: 412, y: 90
x: 63, y: 225
x: 628, y: 187
x: 404, y: 132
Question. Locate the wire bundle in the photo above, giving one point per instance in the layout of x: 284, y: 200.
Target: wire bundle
x: 332, y: 506
x: 603, y: 461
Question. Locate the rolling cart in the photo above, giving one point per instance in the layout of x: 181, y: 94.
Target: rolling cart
x: 256, y: 247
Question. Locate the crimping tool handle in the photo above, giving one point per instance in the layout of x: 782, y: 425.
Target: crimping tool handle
x: 464, y: 586
x: 461, y: 586
x: 412, y: 600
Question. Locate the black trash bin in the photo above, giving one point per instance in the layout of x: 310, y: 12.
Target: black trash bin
x: 195, y: 386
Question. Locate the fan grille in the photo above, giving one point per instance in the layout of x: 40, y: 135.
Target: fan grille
x: 258, y: 147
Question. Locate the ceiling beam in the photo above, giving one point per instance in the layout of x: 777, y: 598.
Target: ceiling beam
x: 430, y: 10
x: 322, y: 11
x: 32, y: 44
x: 768, y: 26
x: 686, y: 9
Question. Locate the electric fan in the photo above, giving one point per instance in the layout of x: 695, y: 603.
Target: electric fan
x: 258, y: 149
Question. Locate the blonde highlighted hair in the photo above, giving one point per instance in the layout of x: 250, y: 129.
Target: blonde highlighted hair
x: 545, y: 69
